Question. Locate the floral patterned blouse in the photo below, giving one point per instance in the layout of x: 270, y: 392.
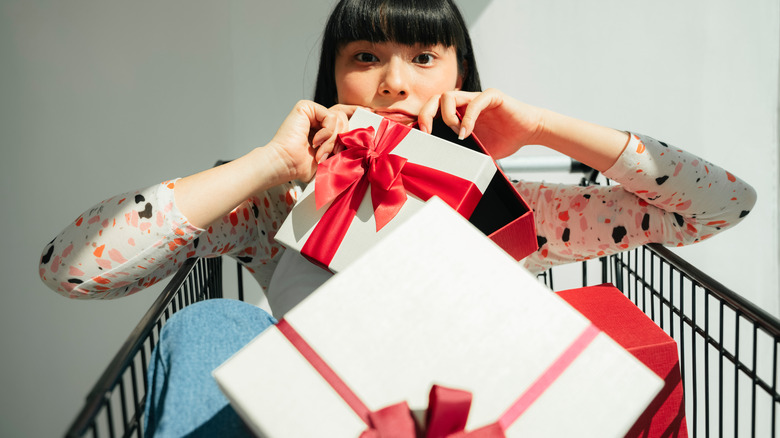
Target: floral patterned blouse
x: 133, y: 240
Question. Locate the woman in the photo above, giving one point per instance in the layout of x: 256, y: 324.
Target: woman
x: 408, y: 61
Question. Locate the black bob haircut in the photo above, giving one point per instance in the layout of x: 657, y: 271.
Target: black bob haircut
x: 409, y: 22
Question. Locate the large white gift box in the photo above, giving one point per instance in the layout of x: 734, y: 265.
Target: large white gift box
x: 436, y: 302
x: 416, y: 147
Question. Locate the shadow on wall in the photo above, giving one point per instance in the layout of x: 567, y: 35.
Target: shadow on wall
x: 472, y: 9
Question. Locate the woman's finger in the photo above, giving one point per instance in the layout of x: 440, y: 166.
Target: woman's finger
x: 450, y: 103
x: 315, y: 112
x: 347, y: 110
x: 343, y: 127
x: 449, y: 111
x: 427, y: 113
x: 337, y: 124
x: 320, y: 137
x: 486, y: 100
x: 325, y: 139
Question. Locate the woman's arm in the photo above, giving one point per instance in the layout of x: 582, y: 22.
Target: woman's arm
x: 504, y: 125
x: 133, y: 240
x: 306, y: 137
x: 119, y: 246
x: 666, y: 195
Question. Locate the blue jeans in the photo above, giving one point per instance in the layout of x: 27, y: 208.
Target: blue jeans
x: 183, y: 398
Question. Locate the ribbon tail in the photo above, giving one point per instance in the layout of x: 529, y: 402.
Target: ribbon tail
x: 424, y: 182
x: 388, y: 194
x: 326, y: 237
x: 387, y: 203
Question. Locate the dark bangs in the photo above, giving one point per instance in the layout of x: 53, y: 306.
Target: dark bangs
x: 406, y: 22
x: 409, y: 22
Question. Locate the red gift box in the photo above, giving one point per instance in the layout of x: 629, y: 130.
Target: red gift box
x: 618, y: 317
x: 502, y: 214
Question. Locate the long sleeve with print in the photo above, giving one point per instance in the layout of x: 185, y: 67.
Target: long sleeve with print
x: 131, y: 241
x: 665, y: 195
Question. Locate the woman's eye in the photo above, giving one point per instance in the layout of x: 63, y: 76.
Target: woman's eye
x: 423, y: 58
x: 366, y: 57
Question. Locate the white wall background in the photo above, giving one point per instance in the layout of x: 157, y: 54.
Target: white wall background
x: 701, y: 75
x: 99, y: 97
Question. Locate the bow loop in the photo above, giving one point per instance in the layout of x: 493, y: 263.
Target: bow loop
x: 446, y: 417
x: 336, y: 175
x: 448, y: 411
x: 385, y: 170
x: 343, y: 181
x: 360, y: 138
x: 366, y: 156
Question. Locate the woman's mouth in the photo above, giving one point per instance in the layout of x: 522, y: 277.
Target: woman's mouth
x: 398, y: 116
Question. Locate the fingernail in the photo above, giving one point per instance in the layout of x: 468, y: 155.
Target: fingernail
x: 462, y: 133
x: 323, y: 158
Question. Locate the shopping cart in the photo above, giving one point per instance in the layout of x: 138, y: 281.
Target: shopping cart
x: 728, y: 346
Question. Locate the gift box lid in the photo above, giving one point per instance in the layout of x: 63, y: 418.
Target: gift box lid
x: 436, y: 302
x: 502, y: 214
x: 418, y: 148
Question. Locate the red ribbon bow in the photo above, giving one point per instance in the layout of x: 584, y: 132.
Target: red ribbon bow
x: 448, y: 411
x: 344, y: 179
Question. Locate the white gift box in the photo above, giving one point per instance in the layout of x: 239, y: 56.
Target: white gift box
x: 436, y: 302
x: 417, y: 147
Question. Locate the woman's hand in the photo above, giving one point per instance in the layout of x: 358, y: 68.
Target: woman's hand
x: 502, y: 123
x: 308, y: 136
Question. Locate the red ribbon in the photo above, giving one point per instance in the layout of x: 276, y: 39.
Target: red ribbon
x: 344, y: 179
x: 448, y: 409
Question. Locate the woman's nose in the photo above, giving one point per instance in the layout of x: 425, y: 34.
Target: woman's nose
x: 395, y: 81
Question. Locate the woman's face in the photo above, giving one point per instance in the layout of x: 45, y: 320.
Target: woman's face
x: 394, y: 80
